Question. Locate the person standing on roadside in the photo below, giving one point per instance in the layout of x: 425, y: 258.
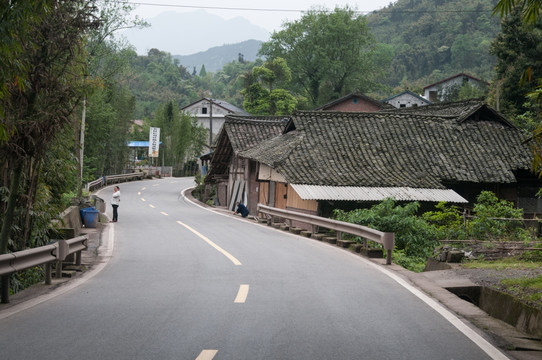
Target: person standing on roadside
x: 115, y: 202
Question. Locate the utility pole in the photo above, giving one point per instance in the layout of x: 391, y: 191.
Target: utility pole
x: 210, y: 123
x: 82, y: 148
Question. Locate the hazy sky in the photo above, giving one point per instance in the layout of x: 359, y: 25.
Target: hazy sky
x: 267, y: 14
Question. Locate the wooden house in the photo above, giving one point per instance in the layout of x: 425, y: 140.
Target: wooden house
x: 447, y: 152
x: 230, y: 173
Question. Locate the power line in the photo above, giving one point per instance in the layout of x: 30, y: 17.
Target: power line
x: 383, y: 11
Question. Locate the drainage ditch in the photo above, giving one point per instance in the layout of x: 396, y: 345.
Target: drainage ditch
x: 503, y: 307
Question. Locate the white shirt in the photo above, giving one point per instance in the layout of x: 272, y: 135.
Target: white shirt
x: 115, y: 199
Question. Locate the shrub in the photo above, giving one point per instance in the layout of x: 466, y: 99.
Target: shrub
x: 412, y: 234
x: 485, y: 227
x: 447, y: 220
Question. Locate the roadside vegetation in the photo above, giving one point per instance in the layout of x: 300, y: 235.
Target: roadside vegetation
x: 419, y: 235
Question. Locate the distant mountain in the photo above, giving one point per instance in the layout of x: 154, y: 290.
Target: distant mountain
x: 192, y: 32
x: 215, y: 58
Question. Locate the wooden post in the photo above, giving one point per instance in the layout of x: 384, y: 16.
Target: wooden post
x: 5, y: 289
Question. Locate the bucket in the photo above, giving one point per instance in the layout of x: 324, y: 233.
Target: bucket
x: 90, y: 217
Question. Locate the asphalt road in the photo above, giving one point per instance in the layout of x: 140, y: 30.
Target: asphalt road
x: 188, y: 283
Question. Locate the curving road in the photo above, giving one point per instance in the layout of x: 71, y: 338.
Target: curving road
x: 188, y: 283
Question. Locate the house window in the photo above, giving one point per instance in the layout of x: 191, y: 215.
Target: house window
x: 433, y: 95
x: 402, y: 105
x: 414, y: 105
x: 204, y: 110
x: 355, y: 100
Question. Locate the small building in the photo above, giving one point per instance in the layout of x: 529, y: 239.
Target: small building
x: 228, y: 172
x: 406, y: 99
x: 354, y: 102
x: 210, y: 114
x: 441, y: 89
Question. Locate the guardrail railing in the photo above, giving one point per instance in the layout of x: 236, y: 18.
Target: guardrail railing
x: 112, y: 179
x: 42, y: 255
x: 386, y: 239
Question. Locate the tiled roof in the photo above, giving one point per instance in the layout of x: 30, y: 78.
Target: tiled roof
x: 241, y: 133
x: 364, y: 97
x: 245, y: 132
x: 394, y: 149
x: 460, y: 110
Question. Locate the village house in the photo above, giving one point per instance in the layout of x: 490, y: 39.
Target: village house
x: 440, y: 90
x: 354, y: 102
x: 231, y: 174
x: 406, y: 99
x: 210, y: 114
x: 327, y: 160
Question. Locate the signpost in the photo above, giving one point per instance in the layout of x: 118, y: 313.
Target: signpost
x: 154, y: 141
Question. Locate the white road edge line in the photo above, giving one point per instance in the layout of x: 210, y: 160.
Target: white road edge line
x: 242, y: 294
x: 151, y: 206
x: 207, y: 355
x: 164, y: 213
x: 218, y: 248
x: 482, y: 343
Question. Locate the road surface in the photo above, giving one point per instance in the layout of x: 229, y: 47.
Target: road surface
x: 188, y: 283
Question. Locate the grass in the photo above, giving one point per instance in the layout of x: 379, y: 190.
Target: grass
x: 525, y: 289
x: 513, y: 263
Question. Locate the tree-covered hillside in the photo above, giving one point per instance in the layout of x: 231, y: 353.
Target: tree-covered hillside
x: 434, y: 39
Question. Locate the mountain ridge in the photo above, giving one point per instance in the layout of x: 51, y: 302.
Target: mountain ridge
x: 216, y: 57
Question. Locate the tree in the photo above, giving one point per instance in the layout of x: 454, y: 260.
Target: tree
x: 41, y: 86
x: 328, y: 53
x: 530, y: 9
x: 524, y: 55
x: 517, y: 48
x: 182, y: 137
x: 260, y: 100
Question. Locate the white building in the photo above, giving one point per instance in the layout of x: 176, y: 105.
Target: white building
x: 406, y: 99
x: 439, y: 90
x: 211, y: 112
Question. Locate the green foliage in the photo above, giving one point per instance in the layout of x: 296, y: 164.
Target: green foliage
x: 517, y: 49
x: 412, y: 234
x: 24, y: 279
x: 412, y: 263
x: 429, y: 35
x: 182, y: 138
x: 199, y: 190
x: 484, y: 226
x: 448, y: 221
x: 329, y: 54
x: 261, y: 98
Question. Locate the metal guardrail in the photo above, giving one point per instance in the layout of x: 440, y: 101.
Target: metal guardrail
x: 112, y: 179
x: 43, y: 255
x: 386, y: 239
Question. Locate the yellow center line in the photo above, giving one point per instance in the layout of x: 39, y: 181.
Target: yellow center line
x: 207, y: 355
x: 242, y: 294
x: 218, y: 248
x: 143, y: 199
x: 156, y: 184
x: 139, y: 193
x: 164, y: 213
x: 143, y: 188
x: 151, y: 205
